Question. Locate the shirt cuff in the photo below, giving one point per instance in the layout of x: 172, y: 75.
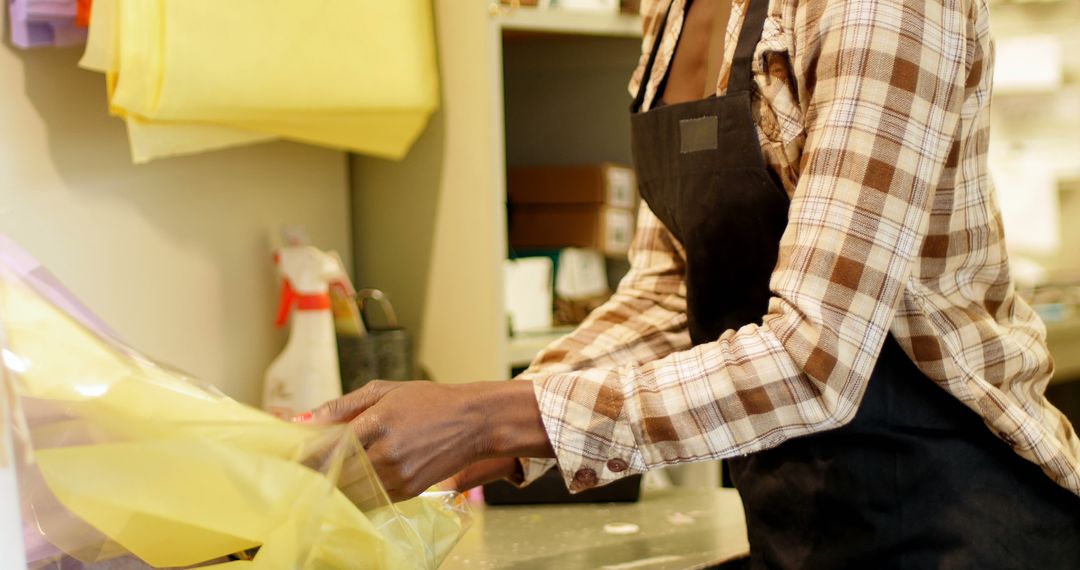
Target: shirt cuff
x: 531, y: 469
x: 587, y: 421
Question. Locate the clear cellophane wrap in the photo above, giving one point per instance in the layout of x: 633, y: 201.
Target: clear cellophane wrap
x: 125, y: 463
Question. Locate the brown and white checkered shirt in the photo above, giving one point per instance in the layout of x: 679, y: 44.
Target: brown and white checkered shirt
x: 875, y: 116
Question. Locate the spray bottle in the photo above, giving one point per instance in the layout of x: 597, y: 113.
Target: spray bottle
x: 305, y: 374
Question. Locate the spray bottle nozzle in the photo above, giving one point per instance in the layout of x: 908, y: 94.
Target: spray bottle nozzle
x: 307, y: 273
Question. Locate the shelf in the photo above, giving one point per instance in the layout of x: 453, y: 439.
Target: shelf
x: 554, y: 21
x: 1063, y: 337
x: 524, y: 347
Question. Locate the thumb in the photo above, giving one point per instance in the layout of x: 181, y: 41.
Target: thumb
x: 482, y: 472
x: 346, y: 408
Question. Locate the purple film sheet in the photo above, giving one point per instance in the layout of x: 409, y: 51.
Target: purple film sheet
x: 42, y: 23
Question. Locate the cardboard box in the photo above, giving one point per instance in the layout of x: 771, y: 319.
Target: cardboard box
x: 605, y: 183
x: 594, y: 226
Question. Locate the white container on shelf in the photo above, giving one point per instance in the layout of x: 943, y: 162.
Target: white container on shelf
x: 1028, y: 64
x: 581, y: 274
x: 528, y: 293
x: 590, y: 5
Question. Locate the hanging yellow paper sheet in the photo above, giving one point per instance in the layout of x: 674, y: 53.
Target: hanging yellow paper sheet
x: 358, y: 75
x: 152, y: 139
x: 123, y: 457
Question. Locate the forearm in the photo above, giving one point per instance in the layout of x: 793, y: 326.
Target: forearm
x: 509, y: 419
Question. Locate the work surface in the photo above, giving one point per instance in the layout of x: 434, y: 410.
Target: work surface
x: 678, y: 528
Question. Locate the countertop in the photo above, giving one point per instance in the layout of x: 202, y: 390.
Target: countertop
x: 678, y: 528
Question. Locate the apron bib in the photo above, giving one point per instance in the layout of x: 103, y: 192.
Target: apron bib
x: 916, y: 480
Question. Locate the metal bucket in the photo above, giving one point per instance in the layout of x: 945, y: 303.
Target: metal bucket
x: 384, y: 353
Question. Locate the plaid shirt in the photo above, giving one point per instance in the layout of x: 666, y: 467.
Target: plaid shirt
x: 875, y: 115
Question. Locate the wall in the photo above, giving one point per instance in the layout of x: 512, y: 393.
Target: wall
x: 175, y: 255
x: 430, y: 230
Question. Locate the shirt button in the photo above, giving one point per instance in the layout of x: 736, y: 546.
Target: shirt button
x: 617, y: 465
x: 586, y: 477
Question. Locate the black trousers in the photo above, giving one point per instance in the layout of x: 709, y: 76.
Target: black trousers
x: 916, y: 480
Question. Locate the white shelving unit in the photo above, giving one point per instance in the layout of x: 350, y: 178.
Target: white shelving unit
x: 519, y: 86
x: 566, y: 22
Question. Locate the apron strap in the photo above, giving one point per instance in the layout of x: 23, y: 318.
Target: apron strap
x: 717, y: 37
x: 741, y: 66
x: 639, y: 99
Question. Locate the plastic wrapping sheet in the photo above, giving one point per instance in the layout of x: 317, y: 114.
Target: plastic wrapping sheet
x: 125, y: 463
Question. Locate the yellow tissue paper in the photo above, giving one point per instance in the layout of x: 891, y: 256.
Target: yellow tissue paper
x: 152, y: 139
x: 357, y: 75
x: 121, y: 457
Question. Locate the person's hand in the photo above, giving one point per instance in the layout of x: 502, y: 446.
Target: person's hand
x: 417, y: 434
x: 483, y: 472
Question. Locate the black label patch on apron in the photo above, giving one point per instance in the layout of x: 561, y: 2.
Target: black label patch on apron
x: 698, y: 134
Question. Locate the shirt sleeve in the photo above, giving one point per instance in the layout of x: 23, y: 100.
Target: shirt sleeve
x: 882, y: 85
x: 644, y: 320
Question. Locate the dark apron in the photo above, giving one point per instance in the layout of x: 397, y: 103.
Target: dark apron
x: 916, y: 480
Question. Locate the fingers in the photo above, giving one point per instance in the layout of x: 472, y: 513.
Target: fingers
x: 347, y: 407
x: 415, y: 434
x: 399, y: 476
x: 359, y: 482
x: 482, y: 472
x: 368, y: 428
